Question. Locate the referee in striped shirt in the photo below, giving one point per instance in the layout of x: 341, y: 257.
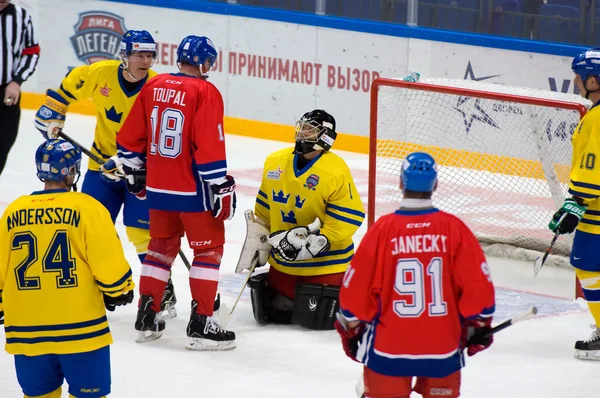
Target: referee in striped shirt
x: 19, y: 54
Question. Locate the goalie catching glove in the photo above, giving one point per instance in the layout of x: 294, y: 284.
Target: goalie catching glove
x: 299, y: 243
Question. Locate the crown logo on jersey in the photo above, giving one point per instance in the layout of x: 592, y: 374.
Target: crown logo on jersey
x: 299, y: 201
x: 113, y: 115
x: 311, y: 182
x: 290, y: 217
x: 279, y: 197
x: 97, y: 36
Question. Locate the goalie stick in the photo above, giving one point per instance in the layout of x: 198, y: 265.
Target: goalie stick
x: 539, y: 262
x: 360, y: 384
x: 98, y: 160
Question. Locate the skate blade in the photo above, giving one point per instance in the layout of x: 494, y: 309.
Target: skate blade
x: 588, y: 355
x: 169, y: 312
x: 148, y: 335
x: 197, y: 344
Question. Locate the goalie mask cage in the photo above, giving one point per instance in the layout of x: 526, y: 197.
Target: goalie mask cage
x: 504, y: 156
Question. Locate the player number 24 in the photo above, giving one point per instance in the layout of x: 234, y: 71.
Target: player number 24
x: 57, y: 258
x: 410, y: 281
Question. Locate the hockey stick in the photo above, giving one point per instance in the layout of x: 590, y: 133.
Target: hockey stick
x: 360, y: 384
x: 539, y: 262
x: 96, y: 159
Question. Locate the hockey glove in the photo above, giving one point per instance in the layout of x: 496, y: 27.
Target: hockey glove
x: 114, y: 170
x: 472, y: 335
x: 298, y: 244
x: 565, y: 220
x: 351, y: 337
x: 112, y: 302
x: 50, y: 118
x: 224, y: 199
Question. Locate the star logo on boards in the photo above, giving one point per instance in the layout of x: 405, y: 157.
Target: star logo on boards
x: 471, y: 108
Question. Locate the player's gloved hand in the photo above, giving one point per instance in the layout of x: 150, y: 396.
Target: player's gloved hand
x: 136, y: 181
x: 351, y: 337
x: 111, y: 302
x: 224, y: 199
x: 50, y: 118
x: 298, y: 244
x: 112, y: 170
x: 565, y: 220
x: 412, y: 77
x: 472, y: 331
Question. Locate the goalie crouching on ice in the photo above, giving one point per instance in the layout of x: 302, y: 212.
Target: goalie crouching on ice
x: 306, y: 211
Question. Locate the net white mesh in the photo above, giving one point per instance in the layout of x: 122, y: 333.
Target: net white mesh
x: 504, y: 161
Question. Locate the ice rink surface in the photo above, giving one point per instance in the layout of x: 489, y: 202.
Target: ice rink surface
x: 531, y: 359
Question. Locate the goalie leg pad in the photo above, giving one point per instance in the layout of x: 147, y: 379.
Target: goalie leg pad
x: 263, y: 299
x: 315, y: 306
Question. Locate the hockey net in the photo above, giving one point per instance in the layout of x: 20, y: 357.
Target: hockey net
x: 504, y: 156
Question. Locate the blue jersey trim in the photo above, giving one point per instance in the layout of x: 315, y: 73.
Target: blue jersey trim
x: 356, y: 25
x: 300, y: 264
x: 206, y: 168
x: 62, y: 326
x: 117, y: 283
x: 337, y: 252
x: 137, y: 89
x: 585, y: 185
x: 47, y: 191
x: 347, y: 210
x: 416, y: 212
x: 56, y: 339
x: 343, y: 219
x: 581, y: 194
x: 297, y: 172
x: 260, y: 202
x: 591, y: 213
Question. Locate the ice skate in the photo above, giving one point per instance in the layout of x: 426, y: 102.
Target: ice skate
x: 148, y: 323
x: 167, y: 305
x: 589, y: 349
x: 205, y: 333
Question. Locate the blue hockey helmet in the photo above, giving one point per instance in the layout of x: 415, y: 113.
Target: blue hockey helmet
x: 137, y: 41
x: 587, y: 63
x: 56, y: 160
x: 419, y: 172
x: 196, y: 50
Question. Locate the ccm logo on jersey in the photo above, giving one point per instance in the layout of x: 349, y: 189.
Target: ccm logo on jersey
x: 419, y: 225
x: 200, y: 243
x: 441, y: 392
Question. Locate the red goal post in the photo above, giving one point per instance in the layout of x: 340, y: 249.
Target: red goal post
x: 504, y: 154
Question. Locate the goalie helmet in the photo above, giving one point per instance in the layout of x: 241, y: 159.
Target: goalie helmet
x: 587, y: 64
x: 419, y: 172
x: 137, y: 41
x: 315, y: 131
x: 196, y: 50
x: 56, y: 160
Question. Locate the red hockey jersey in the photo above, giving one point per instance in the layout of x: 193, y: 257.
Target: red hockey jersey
x: 176, y: 128
x: 415, y: 276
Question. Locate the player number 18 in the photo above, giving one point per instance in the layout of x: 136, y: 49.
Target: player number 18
x: 170, y: 128
x: 410, y: 281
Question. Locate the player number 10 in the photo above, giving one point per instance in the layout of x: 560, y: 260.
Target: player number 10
x: 169, y: 133
x: 410, y: 281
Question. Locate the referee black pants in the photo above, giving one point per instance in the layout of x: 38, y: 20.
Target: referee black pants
x: 9, y: 126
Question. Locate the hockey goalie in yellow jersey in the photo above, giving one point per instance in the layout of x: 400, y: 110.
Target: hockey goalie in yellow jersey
x: 309, y: 208
x: 61, y: 266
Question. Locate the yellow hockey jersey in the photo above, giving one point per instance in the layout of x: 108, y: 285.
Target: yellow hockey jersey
x: 58, y: 252
x: 103, y: 82
x: 585, y: 177
x: 324, y: 188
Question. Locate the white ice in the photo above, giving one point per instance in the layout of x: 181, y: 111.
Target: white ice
x: 531, y: 359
